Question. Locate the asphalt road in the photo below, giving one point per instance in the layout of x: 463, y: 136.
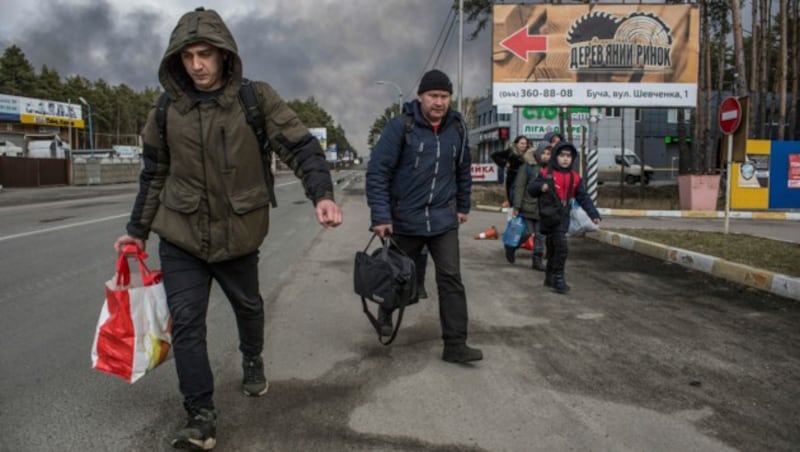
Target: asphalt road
x: 57, y: 256
x: 640, y: 356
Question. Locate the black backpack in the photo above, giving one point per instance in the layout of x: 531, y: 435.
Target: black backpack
x: 254, y: 117
x: 551, y: 210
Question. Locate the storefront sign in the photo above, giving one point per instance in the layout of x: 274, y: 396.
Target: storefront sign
x: 484, y: 172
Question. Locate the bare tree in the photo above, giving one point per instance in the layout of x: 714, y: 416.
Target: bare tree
x: 783, y: 71
x: 795, y: 44
x: 738, y: 48
x: 763, y: 80
x: 755, y: 39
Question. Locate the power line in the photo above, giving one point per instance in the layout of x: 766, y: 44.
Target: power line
x: 435, y: 45
x: 444, y: 44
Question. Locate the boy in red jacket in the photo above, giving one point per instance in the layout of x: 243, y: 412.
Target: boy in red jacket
x: 555, y: 187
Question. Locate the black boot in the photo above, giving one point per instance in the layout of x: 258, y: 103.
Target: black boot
x: 560, y: 283
x: 538, y: 263
x: 421, y: 264
x: 461, y: 353
x: 510, y: 251
x: 385, y: 322
x: 548, y: 278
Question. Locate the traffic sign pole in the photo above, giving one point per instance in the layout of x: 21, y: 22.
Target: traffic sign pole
x: 728, y: 184
x: 730, y: 116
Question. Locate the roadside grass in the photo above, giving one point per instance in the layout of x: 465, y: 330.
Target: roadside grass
x: 773, y: 255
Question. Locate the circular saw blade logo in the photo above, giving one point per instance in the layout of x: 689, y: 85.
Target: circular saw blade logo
x: 601, y: 42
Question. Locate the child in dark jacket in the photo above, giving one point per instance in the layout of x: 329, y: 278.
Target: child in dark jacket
x: 526, y: 205
x: 561, y: 179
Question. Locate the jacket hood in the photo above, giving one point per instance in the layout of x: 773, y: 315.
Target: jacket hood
x: 530, y: 157
x: 549, y: 136
x: 197, y: 26
x: 537, y: 154
x: 563, y: 145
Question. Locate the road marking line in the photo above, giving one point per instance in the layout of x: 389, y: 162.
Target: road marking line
x: 64, y: 226
x: 83, y: 223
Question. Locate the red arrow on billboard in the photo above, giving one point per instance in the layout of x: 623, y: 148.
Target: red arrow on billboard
x: 520, y: 43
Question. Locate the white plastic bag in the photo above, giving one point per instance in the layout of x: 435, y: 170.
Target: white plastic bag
x: 579, y: 221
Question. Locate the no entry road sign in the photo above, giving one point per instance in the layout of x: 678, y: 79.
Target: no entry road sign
x: 730, y: 115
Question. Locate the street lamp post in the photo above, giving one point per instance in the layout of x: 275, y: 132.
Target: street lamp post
x: 397, y: 87
x: 91, y: 134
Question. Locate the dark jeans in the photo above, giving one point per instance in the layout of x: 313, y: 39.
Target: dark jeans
x: 187, y: 281
x: 557, y: 251
x: 452, y: 296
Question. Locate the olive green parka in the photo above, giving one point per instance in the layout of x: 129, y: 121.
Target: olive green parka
x: 527, y: 205
x: 205, y: 191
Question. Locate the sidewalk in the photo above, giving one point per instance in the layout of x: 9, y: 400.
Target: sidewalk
x: 772, y: 225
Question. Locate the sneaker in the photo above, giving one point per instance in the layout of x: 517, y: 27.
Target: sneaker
x: 510, y: 251
x: 385, y: 322
x: 461, y: 353
x: 254, y: 383
x: 199, y: 433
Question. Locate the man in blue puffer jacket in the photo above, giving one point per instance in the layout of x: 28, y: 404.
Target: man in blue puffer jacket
x: 418, y: 190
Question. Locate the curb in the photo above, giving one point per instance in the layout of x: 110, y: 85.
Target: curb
x: 776, y: 283
x: 739, y: 215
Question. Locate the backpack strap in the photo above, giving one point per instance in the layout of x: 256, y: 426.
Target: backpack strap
x: 255, y: 118
x: 161, y: 118
x: 408, y: 127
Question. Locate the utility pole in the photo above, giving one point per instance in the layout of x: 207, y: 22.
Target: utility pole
x: 460, y: 52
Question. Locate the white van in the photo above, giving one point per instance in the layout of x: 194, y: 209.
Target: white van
x: 10, y: 149
x: 45, y: 147
x: 610, y: 162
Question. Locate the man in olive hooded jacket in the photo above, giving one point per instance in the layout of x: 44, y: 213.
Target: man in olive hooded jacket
x: 203, y: 190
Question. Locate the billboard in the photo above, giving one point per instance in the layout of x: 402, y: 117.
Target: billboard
x: 628, y: 55
x: 321, y: 134
x: 28, y: 110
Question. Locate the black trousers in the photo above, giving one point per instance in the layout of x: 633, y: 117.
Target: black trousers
x: 444, y: 250
x: 557, y: 251
x: 187, y: 281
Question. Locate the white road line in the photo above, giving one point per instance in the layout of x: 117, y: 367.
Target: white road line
x: 83, y: 223
x: 63, y: 226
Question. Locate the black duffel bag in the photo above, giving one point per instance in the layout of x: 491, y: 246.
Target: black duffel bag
x: 388, y: 277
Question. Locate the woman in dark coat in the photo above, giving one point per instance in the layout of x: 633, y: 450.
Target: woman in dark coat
x: 511, y: 159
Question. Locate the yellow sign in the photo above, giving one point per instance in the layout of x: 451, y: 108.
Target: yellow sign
x: 57, y: 121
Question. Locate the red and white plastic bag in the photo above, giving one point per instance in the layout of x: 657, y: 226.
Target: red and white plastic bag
x: 133, y: 333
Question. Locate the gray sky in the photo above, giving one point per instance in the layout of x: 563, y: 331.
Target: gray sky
x: 334, y: 50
